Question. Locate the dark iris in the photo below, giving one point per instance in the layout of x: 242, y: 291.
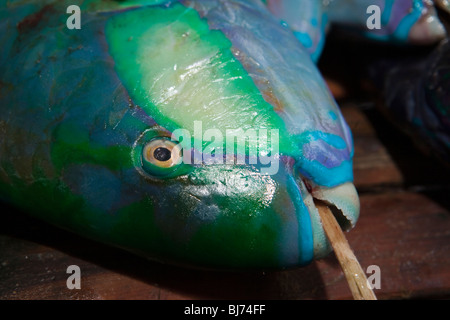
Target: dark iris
x: 162, y: 154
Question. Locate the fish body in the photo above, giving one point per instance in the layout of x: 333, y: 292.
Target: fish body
x: 118, y: 130
x: 401, y: 22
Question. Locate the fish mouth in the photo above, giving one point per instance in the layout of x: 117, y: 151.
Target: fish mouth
x: 343, y: 202
x: 429, y: 29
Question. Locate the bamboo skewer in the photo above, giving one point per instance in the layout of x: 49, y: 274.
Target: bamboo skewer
x: 355, y: 275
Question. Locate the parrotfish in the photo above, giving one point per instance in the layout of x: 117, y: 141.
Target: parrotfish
x: 120, y: 130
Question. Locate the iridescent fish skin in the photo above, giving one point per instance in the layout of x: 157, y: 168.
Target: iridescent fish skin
x: 80, y: 107
x: 403, y: 21
x: 407, y: 21
x: 307, y: 19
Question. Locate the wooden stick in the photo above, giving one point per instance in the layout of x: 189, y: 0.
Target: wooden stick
x: 355, y: 275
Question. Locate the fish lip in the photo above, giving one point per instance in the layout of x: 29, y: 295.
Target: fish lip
x: 428, y: 29
x: 343, y: 202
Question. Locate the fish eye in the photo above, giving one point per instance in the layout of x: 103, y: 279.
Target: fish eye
x: 156, y: 155
x: 162, y: 153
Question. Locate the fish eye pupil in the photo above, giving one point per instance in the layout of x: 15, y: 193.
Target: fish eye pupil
x: 162, y: 154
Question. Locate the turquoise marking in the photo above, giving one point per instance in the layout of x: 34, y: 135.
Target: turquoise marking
x: 332, y: 115
x: 304, y: 38
x: 327, y: 177
x: 305, y: 234
x: 322, y: 175
x: 332, y: 139
x: 321, y: 44
x: 406, y: 24
x: 386, y: 15
x: 402, y: 31
x: 316, y: 54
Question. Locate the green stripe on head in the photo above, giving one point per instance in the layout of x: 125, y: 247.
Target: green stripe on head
x: 179, y: 71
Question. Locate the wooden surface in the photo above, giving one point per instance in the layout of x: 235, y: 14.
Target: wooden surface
x: 404, y: 229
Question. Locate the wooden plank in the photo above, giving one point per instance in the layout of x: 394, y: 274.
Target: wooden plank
x: 406, y: 234
x: 373, y: 165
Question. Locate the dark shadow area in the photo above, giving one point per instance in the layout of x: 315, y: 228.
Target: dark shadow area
x: 301, y: 283
x: 349, y: 60
x: 422, y: 171
x: 419, y: 168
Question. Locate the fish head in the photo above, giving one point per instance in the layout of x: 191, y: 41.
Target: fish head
x: 245, y: 138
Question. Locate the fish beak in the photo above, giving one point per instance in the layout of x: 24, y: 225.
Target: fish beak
x: 429, y: 29
x: 343, y: 202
